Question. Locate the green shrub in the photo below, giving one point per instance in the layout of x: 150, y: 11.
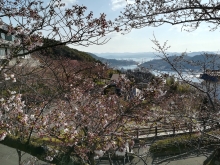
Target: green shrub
x: 176, y: 86
x: 170, y: 81
x: 183, y: 88
x: 174, y: 145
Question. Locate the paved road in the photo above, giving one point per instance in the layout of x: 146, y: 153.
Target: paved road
x: 190, y: 159
x: 185, y: 161
x: 9, y: 156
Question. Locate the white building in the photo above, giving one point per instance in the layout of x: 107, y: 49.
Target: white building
x: 211, y: 83
x: 7, y: 42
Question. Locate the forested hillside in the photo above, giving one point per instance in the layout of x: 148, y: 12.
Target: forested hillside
x: 64, y: 51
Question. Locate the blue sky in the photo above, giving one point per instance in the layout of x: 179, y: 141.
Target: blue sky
x: 138, y: 40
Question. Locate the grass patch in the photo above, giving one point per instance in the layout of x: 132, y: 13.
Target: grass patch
x: 174, y: 145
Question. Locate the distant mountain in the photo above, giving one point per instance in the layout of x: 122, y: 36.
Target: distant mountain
x: 127, y: 55
x: 113, y: 62
x: 145, y: 56
x: 197, y: 62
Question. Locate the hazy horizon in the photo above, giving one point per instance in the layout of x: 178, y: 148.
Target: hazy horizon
x: 151, y: 52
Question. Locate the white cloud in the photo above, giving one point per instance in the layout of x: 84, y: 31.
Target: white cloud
x: 181, y: 28
x: 114, y: 34
x: 178, y: 28
x: 67, y: 2
x: 118, y: 4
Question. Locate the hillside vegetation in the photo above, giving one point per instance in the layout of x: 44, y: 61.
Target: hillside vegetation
x: 65, y: 51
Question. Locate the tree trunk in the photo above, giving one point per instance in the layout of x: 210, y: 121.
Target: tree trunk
x: 91, y: 159
x: 19, y: 156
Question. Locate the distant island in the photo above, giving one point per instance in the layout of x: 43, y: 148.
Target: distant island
x: 146, y: 55
x: 197, y: 62
x: 155, y: 61
x: 113, y: 62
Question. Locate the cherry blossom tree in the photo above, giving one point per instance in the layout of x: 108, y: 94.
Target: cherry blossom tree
x: 78, y: 124
x: 75, y: 122
x: 201, y: 114
x: 188, y: 13
x: 31, y: 22
x: 63, y: 116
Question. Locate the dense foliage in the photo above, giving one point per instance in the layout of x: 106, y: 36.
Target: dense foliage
x: 55, y: 109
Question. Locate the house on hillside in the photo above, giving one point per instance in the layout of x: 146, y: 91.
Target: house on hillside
x: 7, y: 42
x: 211, y: 82
x: 139, y: 76
x: 115, y: 85
x: 120, y: 85
x: 116, y: 77
x: 211, y: 75
x: 135, y: 92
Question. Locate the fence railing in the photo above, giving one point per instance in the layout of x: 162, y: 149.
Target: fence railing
x: 155, y: 131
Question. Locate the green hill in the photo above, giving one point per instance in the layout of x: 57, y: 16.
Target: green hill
x: 56, y: 52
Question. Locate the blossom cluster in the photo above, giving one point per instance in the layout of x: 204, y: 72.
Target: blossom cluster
x: 10, y: 77
x: 3, y: 136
